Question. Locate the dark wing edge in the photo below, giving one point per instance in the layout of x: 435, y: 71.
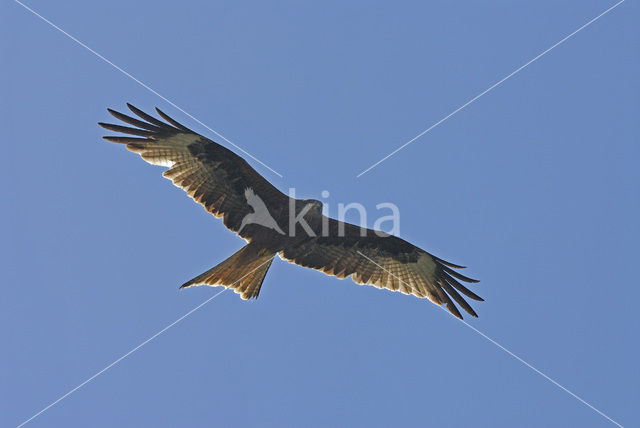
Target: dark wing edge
x: 446, y: 279
x: 212, y: 175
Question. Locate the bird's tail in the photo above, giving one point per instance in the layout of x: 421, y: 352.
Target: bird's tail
x: 244, y: 272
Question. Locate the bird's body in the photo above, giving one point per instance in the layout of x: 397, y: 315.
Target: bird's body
x: 260, y: 214
x: 274, y: 224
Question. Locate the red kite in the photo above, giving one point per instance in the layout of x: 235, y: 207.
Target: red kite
x: 249, y: 205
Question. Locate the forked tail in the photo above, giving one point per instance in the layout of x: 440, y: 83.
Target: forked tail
x: 244, y: 272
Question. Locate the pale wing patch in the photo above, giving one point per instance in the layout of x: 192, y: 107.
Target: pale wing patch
x: 418, y: 274
x: 415, y: 278
x: 166, y: 151
x: 376, y: 269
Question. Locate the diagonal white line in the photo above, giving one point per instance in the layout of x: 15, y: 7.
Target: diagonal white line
x: 535, y: 369
x: 146, y: 87
x: 507, y: 351
x: 139, y: 346
x: 488, y: 89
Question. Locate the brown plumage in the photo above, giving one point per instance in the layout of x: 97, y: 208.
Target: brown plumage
x: 228, y: 187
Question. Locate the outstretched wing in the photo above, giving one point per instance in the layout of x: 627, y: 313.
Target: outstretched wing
x: 212, y: 175
x: 385, y: 262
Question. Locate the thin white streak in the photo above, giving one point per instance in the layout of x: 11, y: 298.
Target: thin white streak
x: 535, y: 369
x: 146, y: 87
x: 138, y: 347
x: 508, y: 352
x: 488, y: 89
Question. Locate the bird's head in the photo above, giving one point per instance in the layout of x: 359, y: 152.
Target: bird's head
x: 315, y: 204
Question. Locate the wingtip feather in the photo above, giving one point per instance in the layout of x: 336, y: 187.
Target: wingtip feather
x: 172, y: 121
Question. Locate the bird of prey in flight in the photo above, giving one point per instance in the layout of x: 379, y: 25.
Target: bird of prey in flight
x: 249, y: 205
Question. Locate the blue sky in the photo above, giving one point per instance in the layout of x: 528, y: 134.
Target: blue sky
x: 533, y: 186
